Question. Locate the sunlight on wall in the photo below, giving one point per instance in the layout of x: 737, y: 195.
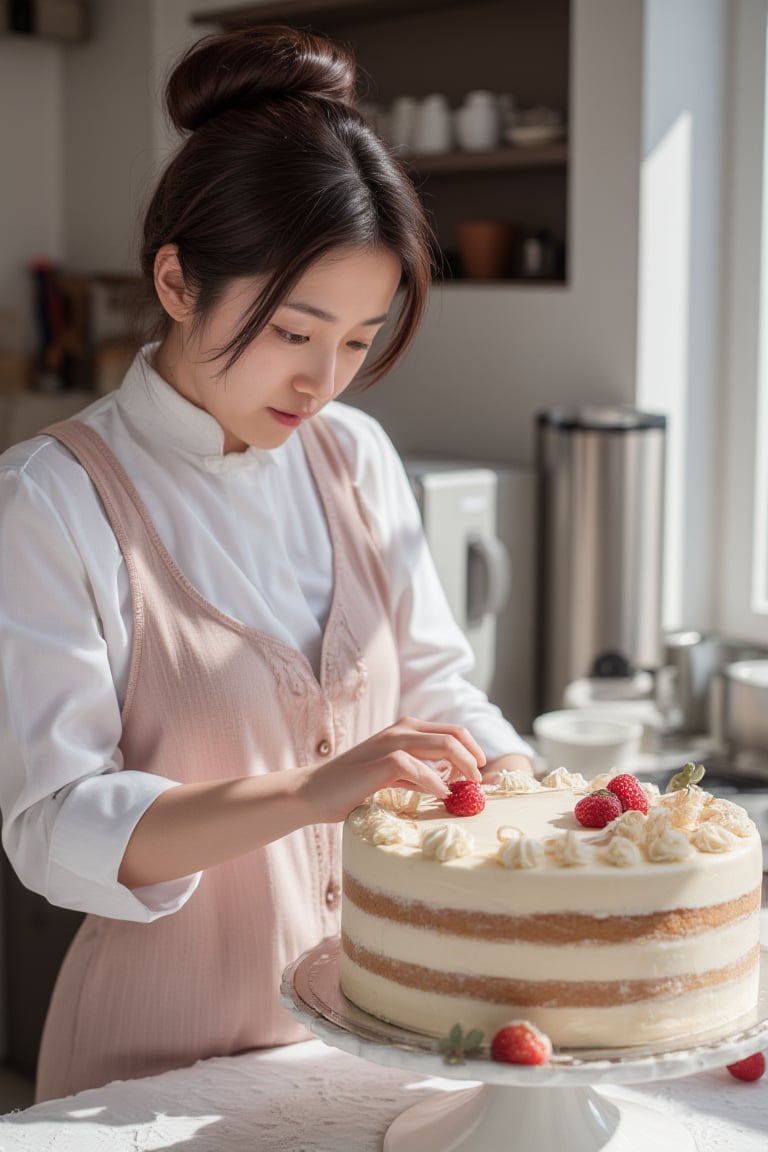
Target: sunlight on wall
x: 760, y: 524
x: 663, y: 327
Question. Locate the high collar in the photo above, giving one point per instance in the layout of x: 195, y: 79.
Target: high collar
x: 167, y: 419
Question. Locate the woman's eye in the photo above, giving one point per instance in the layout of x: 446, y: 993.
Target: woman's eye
x: 359, y: 346
x: 290, y: 337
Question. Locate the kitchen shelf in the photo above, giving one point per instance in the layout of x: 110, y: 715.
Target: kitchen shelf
x: 517, y: 48
x: 320, y: 12
x: 499, y: 160
x: 449, y: 281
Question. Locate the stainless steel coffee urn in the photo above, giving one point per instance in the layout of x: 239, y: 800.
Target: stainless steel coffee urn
x: 601, y: 541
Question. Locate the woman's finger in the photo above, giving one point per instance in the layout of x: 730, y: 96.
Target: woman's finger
x: 455, y: 732
x: 414, y: 773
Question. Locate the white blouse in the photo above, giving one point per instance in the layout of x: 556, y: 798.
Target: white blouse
x: 247, y: 529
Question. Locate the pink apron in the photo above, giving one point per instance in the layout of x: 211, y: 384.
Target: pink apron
x: 210, y: 698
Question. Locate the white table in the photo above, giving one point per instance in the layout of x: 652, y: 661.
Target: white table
x: 311, y: 1098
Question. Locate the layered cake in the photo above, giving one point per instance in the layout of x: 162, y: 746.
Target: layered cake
x: 645, y: 930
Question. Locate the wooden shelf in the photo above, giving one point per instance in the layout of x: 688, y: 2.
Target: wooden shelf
x: 417, y: 47
x: 534, y: 282
x: 319, y: 12
x: 500, y: 160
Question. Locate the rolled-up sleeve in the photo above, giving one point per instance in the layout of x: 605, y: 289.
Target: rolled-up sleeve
x: 68, y: 807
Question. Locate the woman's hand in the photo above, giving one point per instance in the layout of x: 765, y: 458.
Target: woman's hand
x: 194, y: 826
x: 417, y: 754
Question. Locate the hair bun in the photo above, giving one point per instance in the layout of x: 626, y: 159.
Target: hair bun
x: 236, y: 69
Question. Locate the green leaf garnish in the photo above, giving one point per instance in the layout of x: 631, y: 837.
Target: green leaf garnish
x: 456, y: 1047
x: 686, y: 777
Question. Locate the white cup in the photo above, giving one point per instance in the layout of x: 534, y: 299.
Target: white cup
x: 376, y: 116
x: 401, y: 122
x: 478, y: 122
x: 588, y: 744
x: 434, y: 129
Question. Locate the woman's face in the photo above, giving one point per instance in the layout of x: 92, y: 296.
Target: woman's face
x: 312, y: 347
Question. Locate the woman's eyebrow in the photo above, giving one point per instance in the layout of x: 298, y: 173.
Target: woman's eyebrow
x: 321, y: 314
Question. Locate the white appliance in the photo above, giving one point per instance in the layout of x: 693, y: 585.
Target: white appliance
x: 480, y: 525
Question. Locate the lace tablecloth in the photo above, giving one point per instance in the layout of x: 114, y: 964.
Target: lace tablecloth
x: 312, y: 1098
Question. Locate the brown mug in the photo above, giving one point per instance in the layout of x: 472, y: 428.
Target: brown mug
x: 485, y: 247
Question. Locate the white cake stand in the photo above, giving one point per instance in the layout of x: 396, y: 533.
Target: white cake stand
x: 512, y: 1107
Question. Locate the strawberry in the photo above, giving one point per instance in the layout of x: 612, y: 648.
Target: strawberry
x: 521, y: 1043
x: 627, y: 788
x: 466, y: 798
x: 751, y: 1068
x: 597, y: 809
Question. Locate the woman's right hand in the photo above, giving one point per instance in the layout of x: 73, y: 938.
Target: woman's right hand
x: 404, y: 755
x: 194, y: 826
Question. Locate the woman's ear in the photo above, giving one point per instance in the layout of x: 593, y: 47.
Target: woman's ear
x: 171, y: 289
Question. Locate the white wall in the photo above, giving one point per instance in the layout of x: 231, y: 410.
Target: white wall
x: 31, y: 146
x: 108, y: 155
x: 489, y: 357
x: 745, y: 362
x: 172, y: 32
x: 679, y: 330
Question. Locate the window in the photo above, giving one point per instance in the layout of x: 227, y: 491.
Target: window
x: 743, y: 513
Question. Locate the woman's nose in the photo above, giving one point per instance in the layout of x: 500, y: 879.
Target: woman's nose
x: 318, y: 379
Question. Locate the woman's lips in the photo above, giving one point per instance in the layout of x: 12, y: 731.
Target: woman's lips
x: 290, y: 419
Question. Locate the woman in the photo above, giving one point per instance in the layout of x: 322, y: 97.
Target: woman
x: 216, y: 604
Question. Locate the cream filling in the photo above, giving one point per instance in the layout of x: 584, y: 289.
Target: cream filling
x: 617, y: 1026
x: 442, y: 952
x: 483, y: 884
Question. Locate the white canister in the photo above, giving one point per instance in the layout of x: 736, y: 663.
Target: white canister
x: 401, y: 122
x: 434, y: 129
x: 478, y: 122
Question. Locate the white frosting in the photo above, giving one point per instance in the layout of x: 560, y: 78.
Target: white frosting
x: 644, y: 1022
x: 630, y: 825
x: 447, y: 842
x: 602, y: 780
x: 670, y: 875
x: 712, y: 837
x: 398, y: 800
x: 667, y: 845
x: 622, y: 852
x: 684, y: 807
x: 511, y: 782
x: 730, y: 816
x: 658, y: 820
x: 568, y: 851
x: 626, y: 960
x: 507, y: 832
x: 381, y: 826
x: 562, y: 778
x: 521, y: 852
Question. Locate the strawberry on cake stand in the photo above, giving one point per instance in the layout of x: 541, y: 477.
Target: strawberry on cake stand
x: 517, y: 1107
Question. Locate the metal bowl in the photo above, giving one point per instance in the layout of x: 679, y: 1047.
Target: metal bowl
x: 745, y: 704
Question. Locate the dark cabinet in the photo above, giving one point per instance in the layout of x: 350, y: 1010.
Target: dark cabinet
x: 36, y: 936
x: 519, y: 48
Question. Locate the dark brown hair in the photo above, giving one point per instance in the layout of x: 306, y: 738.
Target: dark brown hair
x: 277, y: 170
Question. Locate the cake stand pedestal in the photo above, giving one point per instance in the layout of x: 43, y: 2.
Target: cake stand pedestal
x: 514, y: 1107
